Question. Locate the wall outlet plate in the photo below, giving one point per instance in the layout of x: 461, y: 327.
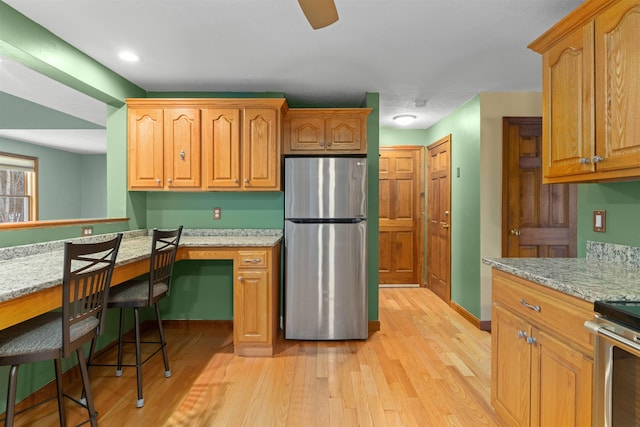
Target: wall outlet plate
x: 217, y: 213
x: 87, y: 231
x: 599, y: 221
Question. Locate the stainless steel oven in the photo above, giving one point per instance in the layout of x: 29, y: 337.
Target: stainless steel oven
x: 616, y: 382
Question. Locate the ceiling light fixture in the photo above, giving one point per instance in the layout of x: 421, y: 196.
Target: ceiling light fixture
x: 404, y: 119
x: 129, y: 56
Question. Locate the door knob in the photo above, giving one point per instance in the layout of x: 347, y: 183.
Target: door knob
x: 515, y: 231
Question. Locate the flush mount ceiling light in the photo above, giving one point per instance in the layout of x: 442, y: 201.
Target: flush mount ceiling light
x: 129, y: 56
x: 404, y: 119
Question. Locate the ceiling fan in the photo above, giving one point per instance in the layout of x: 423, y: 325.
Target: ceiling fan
x: 319, y: 13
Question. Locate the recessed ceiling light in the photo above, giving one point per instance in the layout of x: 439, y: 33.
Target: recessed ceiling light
x: 129, y: 56
x: 404, y: 119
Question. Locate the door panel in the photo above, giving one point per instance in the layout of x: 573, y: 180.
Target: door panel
x: 439, y: 218
x: 400, y: 211
x: 538, y: 220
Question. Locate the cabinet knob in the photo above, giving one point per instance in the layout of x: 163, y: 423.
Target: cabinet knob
x: 584, y: 160
x: 322, y: 144
x: 531, y: 340
x: 182, y: 154
x: 158, y: 181
x: 240, y: 278
x: 597, y: 159
x: 515, y: 231
x: 330, y: 144
x: 246, y: 180
x: 170, y: 181
x: 522, y: 334
x: 235, y: 180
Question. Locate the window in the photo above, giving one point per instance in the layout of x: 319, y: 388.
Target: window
x: 18, y: 201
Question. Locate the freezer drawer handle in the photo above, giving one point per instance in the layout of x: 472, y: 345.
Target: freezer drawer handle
x: 252, y: 260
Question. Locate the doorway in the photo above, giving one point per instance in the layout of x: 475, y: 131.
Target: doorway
x: 401, y: 206
x: 439, y: 218
x: 538, y: 220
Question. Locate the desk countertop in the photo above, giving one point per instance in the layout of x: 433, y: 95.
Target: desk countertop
x: 30, y: 268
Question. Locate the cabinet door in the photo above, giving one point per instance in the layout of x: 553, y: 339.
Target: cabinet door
x: 251, y: 307
x: 221, y: 149
x: 260, y: 150
x: 145, y: 148
x: 182, y: 148
x: 561, y: 384
x: 344, y: 134
x: 617, y: 88
x: 510, y: 367
x: 306, y: 134
x: 568, y: 105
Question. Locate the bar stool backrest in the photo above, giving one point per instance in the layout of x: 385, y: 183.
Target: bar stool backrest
x: 85, y: 288
x: 163, y: 256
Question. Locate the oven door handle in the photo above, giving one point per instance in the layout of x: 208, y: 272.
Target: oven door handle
x: 596, y: 329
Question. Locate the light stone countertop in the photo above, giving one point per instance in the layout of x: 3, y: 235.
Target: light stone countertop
x: 30, y: 268
x: 588, y: 279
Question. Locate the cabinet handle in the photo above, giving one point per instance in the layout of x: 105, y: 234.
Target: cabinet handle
x: 251, y: 260
x: 584, y: 160
x: 532, y: 307
x: 597, y: 159
x: 182, y: 154
x: 522, y: 334
x: 531, y: 340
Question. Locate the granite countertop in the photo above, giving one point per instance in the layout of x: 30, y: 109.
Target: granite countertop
x: 30, y: 268
x: 586, y: 278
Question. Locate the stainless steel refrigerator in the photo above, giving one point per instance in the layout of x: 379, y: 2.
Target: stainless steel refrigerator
x: 325, y: 247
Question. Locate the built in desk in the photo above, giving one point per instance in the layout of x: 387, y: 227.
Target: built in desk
x: 31, y: 277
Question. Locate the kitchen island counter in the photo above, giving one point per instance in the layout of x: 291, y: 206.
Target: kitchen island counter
x: 587, y: 279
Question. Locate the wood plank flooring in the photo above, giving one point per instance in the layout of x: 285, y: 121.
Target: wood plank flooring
x: 427, y: 366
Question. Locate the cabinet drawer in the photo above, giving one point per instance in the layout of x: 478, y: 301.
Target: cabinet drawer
x: 252, y: 259
x: 545, y: 308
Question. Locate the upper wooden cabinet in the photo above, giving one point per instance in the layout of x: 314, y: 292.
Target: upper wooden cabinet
x: 241, y: 149
x: 205, y: 144
x: 326, y: 131
x: 590, y: 70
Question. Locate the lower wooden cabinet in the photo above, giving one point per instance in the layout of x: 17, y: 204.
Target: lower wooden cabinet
x: 256, y: 301
x: 541, y: 376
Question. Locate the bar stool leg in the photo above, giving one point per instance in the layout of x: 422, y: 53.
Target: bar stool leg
x: 120, y: 343
x: 140, y: 402
x: 84, y: 373
x: 58, y: 369
x: 167, y: 370
x: 11, y: 396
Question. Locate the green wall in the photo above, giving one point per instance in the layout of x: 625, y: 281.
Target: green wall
x: 621, y: 201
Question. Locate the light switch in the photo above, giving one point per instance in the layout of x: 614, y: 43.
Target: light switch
x: 599, y: 221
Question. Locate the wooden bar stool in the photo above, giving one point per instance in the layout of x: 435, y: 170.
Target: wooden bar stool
x: 51, y: 336
x: 146, y: 292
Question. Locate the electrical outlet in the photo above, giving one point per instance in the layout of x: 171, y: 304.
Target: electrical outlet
x: 217, y: 213
x: 87, y: 231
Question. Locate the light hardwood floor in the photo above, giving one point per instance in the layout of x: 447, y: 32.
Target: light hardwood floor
x: 427, y: 366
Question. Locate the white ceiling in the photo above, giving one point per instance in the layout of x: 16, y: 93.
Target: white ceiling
x: 424, y: 57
